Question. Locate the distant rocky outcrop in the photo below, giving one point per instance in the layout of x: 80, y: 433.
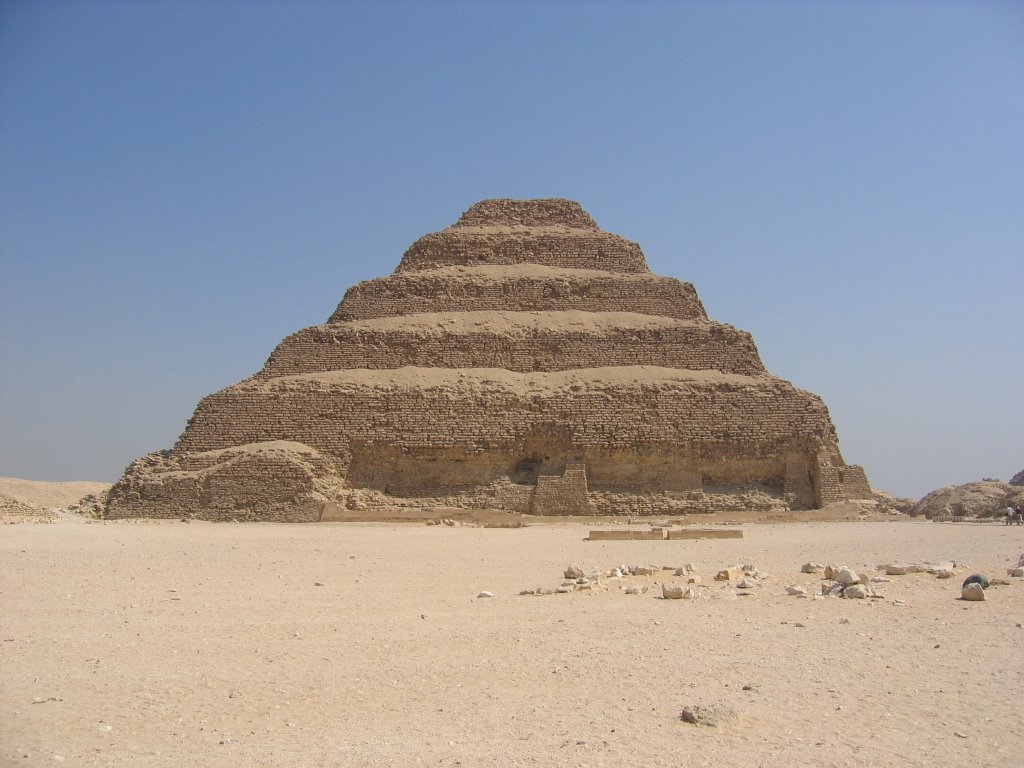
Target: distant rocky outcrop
x: 1018, y: 479
x: 42, y: 501
x: 984, y: 498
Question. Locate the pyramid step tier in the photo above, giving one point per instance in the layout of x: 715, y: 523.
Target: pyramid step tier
x: 519, y: 288
x: 418, y: 431
x: 628, y: 407
x: 516, y: 341
x: 547, y: 246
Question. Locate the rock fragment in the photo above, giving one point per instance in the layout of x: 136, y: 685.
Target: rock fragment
x: 672, y: 591
x: 973, y: 591
x: 846, y: 576
x: 979, y: 579
x: 729, y: 574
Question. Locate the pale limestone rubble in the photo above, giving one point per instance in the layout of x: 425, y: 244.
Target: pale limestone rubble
x: 521, y: 359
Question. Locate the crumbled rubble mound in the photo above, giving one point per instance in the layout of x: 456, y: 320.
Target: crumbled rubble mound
x: 521, y: 359
x: 43, y: 501
x: 887, y: 504
x: 981, y: 499
x: 14, y: 510
x: 91, y: 505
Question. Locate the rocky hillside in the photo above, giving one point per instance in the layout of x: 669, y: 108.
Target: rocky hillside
x: 985, y: 498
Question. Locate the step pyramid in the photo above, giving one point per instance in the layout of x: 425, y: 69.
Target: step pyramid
x: 521, y: 359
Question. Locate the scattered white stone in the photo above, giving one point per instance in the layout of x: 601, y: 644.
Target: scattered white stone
x: 973, y: 591
x: 635, y: 589
x: 943, y: 573
x: 642, y: 570
x: 564, y: 588
x: 574, y: 572
x: 847, y: 576
x: 795, y: 590
x: 856, y: 591
x: 729, y: 574
x: 614, y: 573
x: 672, y: 591
x: 829, y: 572
x: 1018, y: 571
x: 880, y: 580
x: 812, y: 568
x: 486, y: 594
x: 746, y: 584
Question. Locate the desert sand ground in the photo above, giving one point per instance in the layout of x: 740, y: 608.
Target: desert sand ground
x: 173, y: 644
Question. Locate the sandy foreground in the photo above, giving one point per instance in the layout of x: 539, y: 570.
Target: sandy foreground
x: 146, y: 644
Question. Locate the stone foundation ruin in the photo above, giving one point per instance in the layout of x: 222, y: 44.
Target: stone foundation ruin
x: 521, y: 359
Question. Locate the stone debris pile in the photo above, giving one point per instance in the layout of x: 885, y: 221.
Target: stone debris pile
x: 639, y: 579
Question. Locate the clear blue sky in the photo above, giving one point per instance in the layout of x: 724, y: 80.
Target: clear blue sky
x: 182, y: 184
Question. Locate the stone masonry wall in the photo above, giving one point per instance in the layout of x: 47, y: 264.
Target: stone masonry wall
x: 695, y: 346
x: 568, y: 249
x: 565, y: 495
x: 402, y: 438
x: 520, y: 289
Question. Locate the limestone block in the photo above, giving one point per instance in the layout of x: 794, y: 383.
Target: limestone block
x: 973, y: 591
x: 672, y: 591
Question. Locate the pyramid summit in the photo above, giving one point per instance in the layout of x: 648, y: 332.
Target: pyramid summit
x: 521, y: 359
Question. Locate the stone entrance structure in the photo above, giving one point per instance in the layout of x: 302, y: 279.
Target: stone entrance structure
x: 521, y: 359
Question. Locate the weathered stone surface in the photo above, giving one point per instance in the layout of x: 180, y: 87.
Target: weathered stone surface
x: 973, y: 591
x: 521, y: 360
x: 977, y: 578
x: 847, y: 576
x: 731, y: 573
x: 856, y: 591
x: 672, y: 591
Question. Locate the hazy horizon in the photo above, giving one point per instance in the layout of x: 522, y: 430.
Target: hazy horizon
x: 184, y: 184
